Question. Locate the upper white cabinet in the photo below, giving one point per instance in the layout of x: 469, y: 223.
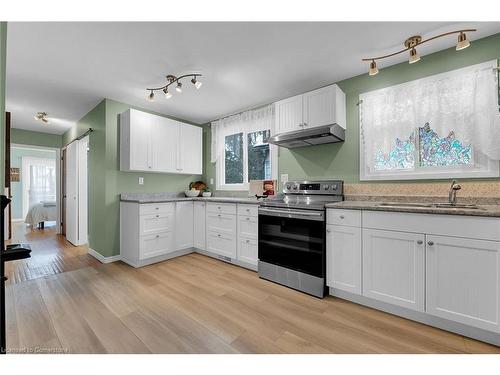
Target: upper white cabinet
x: 393, y: 267
x: 157, y: 144
x: 320, y: 107
x: 463, y: 280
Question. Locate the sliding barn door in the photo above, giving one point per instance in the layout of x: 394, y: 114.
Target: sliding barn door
x: 71, y: 182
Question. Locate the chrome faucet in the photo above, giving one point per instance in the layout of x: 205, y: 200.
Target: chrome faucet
x: 452, y: 194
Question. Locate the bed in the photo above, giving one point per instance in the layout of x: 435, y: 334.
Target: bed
x: 39, y: 213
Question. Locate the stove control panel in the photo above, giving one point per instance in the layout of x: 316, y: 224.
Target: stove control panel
x: 331, y: 187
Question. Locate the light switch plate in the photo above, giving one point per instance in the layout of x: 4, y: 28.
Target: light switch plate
x: 211, y: 181
x: 141, y: 180
x: 284, y: 178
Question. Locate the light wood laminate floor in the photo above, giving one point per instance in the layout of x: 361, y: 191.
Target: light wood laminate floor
x: 196, y: 304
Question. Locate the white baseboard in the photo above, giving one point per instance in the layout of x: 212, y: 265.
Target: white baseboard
x: 101, y: 258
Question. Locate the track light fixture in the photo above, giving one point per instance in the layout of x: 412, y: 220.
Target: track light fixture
x: 412, y: 42
x: 151, y: 96
x: 171, y: 79
x: 41, y: 116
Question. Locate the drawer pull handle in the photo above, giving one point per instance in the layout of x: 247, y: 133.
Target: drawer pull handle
x: 157, y: 236
x: 218, y: 215
x: 218, y: 235
x: 157, y: 208
x: 420, y: 242
x: 157, y: 215
x: 342, y: 216
x: 430, y: 243
x: 248, y: 210
x: 248, y: 218
x: 218, y: 207
x: 247, y: 241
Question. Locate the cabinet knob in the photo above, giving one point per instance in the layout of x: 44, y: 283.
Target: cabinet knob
x: 157, y: 236
x: 420, y: 242
x: 218, y: 215
x: 157, y: 208
x: 247, y: 241
x: 305, y: 124
x: 248, y: 210
x: 328, y: 230
x: 430, y: 243
x: 248, y: 218
x: 342, y: 216
x: 218, y: 235
x: 157, y: 215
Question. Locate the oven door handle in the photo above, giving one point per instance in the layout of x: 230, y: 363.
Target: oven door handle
x: 292, y: 213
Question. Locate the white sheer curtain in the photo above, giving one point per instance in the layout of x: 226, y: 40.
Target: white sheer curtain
x: 464, y: 101
x: 245, y: 122
x: 39, y: 182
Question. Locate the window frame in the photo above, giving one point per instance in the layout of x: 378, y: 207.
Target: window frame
x: 221, y: 163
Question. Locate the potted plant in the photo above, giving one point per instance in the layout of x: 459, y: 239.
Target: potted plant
x: 206, y: 192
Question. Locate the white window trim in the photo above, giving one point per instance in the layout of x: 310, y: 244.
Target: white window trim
x: 220, y: 165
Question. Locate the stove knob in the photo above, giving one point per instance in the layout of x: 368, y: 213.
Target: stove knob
x: 326, y: 187
x: 288, y: 186
x: 295, y: 187
x: 334, y: 187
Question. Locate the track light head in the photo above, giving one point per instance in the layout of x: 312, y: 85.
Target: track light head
x: 41, y: 116
x: 196, y: 83
x: 373, y: 68
x: 151, y: 96
x: 167, y: 94
x: 463, y: 42
x: 414, y: 56
x: 178, y: 88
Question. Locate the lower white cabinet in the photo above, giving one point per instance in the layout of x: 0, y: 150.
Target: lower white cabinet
x: 248, y: 250
x: 184, y: 225
x: 154, y: 245
x: 248, y: 227
x: 393, y: 267
x: 343, y: 258
x: 221, y: 230
x: 463, y: 280
x: 199, y: 223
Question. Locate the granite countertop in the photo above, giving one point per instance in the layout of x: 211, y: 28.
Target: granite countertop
x: 176, y: 197
x: 490, y: 210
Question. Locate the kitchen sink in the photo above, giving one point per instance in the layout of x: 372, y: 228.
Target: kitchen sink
x: 428, y: 205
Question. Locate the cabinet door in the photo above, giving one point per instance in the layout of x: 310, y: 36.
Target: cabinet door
x: 184, y: 225
x: 140, y: 141
x: 247, y: 226
x: 393, y: 267
x: 343, y: 258
x: 463, y: 280
x: 324, y: 106
x: 199, y: 225
x: 164, y: 135
x: 288, y: 114
x: 155, y: 245
x: 248, y: 250
x: 190, y: 150
x: 221, y: 243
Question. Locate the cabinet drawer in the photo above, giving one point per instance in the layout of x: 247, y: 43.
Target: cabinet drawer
x: 221, y: 243
x: 221, y: 208
x: 248, y: 250
x: 223, y: 223
x: 155, y: 245
x: 151, y: 224
x: 248, y: 209
x: 156, y: 208
x: 248, y: 226
x: 350, y: 218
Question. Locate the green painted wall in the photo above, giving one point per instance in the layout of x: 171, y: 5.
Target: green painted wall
x: 16, y: 155
x: 341, y: 160
x: 106, y: 182
x: 3, y: 53
x: 31, y: 138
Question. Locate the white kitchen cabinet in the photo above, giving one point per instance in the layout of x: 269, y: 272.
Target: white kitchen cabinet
x: 221, y: 229
x: 151, y: 143
x: 463, y: 280
x: 199, y: 222
x: 248, y: 234
x: 248, y: 250
x: 190, y: 151
x: 184, y: 225
x: 324, y: 106
x: 393, y: 267
x: 343, y: 257
x: 288, y: 114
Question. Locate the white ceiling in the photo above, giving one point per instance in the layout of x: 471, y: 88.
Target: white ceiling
x: 65, y: 69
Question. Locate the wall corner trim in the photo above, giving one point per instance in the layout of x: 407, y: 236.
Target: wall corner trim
x: 101, y: 258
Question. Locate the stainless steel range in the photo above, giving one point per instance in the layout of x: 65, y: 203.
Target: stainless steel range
x: 292, y: 231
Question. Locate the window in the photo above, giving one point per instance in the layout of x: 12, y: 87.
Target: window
x: 442, y: 126
x: 240, y: 149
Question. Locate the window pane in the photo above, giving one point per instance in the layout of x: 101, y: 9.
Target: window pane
x: 233, y: 158
x: 259, y: 159
x: 439, y: 152
x: 401, y: 156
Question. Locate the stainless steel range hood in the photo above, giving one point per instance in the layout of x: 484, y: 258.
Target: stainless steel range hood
x: 309, y: 137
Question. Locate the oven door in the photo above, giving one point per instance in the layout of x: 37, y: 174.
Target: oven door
x: 294, y: 239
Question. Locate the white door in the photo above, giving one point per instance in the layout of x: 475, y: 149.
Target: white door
x: 393, y: 267
x: 288, y: 114
x: 184, y: 225
x: 343, y: 258
x: 319, y: 107
x: 199, y: 230
x: 83, y: 145
x: 190, y: 149
x: 463, y: 280
x: 164, y: 144
x: 140, y: 141
x: 71, y: 176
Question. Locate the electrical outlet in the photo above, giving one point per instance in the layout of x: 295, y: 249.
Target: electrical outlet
x: 211, y: 181
x: 284, y: 178
x: 141, y: 180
